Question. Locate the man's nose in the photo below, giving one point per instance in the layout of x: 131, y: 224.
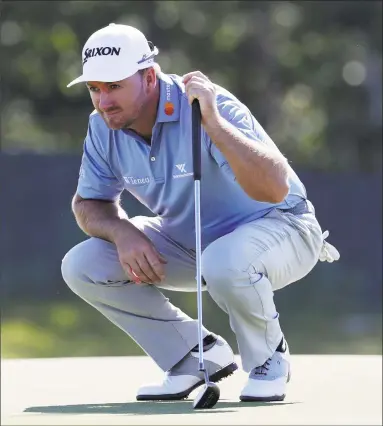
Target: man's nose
x: 105, y: 101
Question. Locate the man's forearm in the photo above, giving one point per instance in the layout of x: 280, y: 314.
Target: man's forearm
x: 100, y: 219
x: 262, y: 172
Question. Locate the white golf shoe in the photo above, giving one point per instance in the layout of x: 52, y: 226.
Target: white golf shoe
x: 184, y: 377
x: 268, y: 381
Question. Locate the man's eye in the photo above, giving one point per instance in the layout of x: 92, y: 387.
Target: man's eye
x: 114, y: 86
x: 93, y: 89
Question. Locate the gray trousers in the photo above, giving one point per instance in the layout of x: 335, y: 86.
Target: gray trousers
x: 242, y: 270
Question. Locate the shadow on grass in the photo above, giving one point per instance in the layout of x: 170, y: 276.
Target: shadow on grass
x: 166, y: 407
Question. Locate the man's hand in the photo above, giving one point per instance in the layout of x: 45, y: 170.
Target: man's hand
x: 261, y: 171
x: 198, y: 86
x: 139, y: 258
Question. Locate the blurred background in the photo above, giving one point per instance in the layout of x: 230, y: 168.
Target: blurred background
x: 311, y: 73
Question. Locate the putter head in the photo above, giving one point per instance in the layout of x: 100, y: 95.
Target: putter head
x: 207, y: 397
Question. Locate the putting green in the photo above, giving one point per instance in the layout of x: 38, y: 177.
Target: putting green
x: 324, y: 390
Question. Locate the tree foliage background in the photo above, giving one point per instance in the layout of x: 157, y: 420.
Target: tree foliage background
x: 310, y: 71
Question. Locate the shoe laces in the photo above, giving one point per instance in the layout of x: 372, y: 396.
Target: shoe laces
x: 262, y: 369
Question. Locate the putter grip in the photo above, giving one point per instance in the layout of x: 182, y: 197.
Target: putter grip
x: 196, y: 139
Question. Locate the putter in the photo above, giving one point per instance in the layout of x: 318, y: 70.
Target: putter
x: 210, y: 392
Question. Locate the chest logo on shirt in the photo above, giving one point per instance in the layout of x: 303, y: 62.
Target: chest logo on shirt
x: 137, y: 181
x: 181, y: 168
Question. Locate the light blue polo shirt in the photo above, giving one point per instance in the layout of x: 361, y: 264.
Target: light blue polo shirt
x: 160, y: 176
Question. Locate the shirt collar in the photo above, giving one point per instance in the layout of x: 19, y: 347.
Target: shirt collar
x: 169, y: 104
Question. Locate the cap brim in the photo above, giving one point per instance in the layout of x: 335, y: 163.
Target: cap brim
x: 102, y: 77
x: 80, y: 79
x: 115, y: 77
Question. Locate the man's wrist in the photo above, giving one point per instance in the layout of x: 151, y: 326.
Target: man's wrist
x: 118, y: 229
x: 213, y: 124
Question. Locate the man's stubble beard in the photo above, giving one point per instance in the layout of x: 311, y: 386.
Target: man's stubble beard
x: 127, y: 124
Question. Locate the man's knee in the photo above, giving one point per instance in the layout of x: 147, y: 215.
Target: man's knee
x: 74, y: 266
x: 84, y: 263
x: 222, y: 265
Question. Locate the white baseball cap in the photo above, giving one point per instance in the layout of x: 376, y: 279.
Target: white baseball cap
x: 114, y: 53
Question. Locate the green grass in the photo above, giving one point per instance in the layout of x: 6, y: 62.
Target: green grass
x: 61, y: 329
x: 73, y: 328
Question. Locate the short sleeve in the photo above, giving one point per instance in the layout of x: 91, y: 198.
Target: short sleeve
x: 240, y: 117
x: 96, y: 180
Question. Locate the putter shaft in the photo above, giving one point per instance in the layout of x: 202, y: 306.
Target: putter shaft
x: 197, y: 198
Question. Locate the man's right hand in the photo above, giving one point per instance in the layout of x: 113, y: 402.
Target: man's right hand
x: 138, y: 256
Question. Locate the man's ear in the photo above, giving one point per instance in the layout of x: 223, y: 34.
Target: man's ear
x: 150, y: 78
